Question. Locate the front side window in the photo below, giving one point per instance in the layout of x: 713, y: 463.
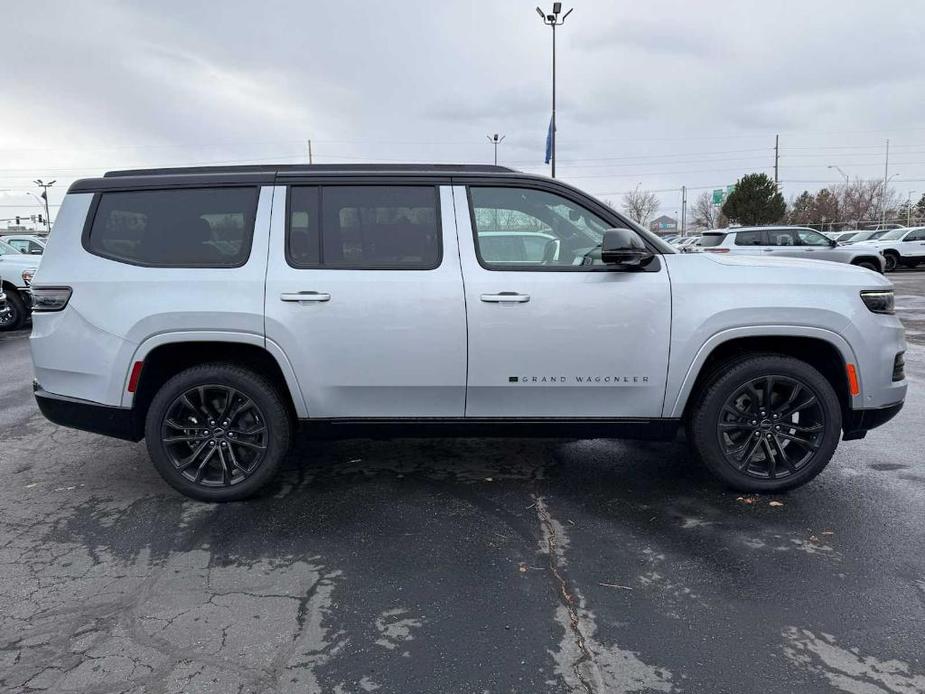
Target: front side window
x: 749, y: 238
x: 184, y: 227
x: 808, y: 237
x: 6, y: 248
x: 917, y: 235
x: 522, y: 227
x: 364, y: 227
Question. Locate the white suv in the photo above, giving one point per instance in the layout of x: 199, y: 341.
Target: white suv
x: 16, y: 272
x: 789, y: 242
x: 899, y: 247
x: 211, y: 310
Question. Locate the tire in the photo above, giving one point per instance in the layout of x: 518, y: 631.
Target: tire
x: 869, y: 265
x: 892, y: 260
x: 17, y: 315
x: 228, y: 459
x: 721, y: 440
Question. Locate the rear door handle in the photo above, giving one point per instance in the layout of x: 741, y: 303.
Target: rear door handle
x: 304, y: 296
x: 506, y: 298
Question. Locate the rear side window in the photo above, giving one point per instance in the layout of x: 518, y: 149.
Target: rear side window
x: 749, y: 238
x: 364, y: 227
x: 184, y: 227
x: 710, y: 240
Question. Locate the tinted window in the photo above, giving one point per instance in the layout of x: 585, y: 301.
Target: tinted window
x: 364, y: 227
x: 710, y: 240
x: 918, y: 235
x: 195, y: 227
x: 525, y: 227
x: 750, y: 238
x: 782, y: 237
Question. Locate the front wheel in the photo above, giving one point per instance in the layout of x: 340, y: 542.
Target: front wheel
x: 217, y: 432
x: 766, y: 423
x: 891, y: 261
x: 14, y: 317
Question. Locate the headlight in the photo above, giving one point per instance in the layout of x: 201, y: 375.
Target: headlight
x: 879, y: 300
x: 28, y: 274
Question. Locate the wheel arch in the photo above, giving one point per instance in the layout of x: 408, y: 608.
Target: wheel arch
x: 165, y: 355
x: 825, y: 350
x: 867, y: 259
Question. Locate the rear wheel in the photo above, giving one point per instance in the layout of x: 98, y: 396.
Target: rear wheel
x: 766, y: 423
x: 217, y: 432
x: 15, y: 315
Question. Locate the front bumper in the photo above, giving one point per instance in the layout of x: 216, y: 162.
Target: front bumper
x: 859, y: 422
x: 118, y: 422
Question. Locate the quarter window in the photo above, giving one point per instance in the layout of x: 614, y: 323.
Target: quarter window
x: 364, y: 227
x: 524, y: 228
x: 188, y: 227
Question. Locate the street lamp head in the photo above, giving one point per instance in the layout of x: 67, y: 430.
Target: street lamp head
x: 556, y: 7
x: 540, y: 13
x: 51, y: 183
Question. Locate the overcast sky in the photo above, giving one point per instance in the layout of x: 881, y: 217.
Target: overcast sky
x: 661, y: 94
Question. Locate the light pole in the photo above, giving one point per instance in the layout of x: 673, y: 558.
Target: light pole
x: 839, y: 170
x: 553, y: 20
x: 495, y: 140
x: 886, y: 183
x: 45, y: 186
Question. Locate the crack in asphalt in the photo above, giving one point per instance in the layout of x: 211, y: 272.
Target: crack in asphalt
x: 566, y: 597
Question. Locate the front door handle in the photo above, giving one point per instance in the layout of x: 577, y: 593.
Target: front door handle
x: 506, y: 298
x: 304, y: 296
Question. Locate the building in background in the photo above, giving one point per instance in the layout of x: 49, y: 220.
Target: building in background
x: 664, y: 225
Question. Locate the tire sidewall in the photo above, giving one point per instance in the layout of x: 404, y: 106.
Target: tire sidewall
x: 264, y: 395
x: 891, y: 261
x: 17, y: 311
x: 704, y: 423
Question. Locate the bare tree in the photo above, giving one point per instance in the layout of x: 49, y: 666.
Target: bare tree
x: 640, y: 205
x: 706, y: 215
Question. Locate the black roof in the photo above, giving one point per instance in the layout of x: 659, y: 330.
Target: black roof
x: 316, y: 168
x: 270, y: 174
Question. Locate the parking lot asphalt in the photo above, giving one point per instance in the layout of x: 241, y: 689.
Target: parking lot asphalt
x: 503, y: 565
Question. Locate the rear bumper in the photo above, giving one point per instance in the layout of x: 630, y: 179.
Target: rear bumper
x: 117, y: 422
x: 859, y: 422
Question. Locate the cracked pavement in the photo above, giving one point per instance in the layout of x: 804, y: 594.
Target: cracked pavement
x: 460, y: 566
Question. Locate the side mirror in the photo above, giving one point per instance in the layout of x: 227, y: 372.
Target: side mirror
x: 623, y: 247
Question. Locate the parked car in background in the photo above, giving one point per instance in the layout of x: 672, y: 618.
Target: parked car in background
x: 4, y: 306
x: 874, y: 226
x: 867, y: 236
x: 16, y: 269
x: 211, y: 311
x: 842, y: 237
x: 791, y: 242
x: 30, y: 244
x: 903, y: 246
x: 685, y: 243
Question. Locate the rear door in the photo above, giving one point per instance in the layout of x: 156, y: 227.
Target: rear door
x: 784, y: 242
x: 559, y: 334
x: 364, y: 295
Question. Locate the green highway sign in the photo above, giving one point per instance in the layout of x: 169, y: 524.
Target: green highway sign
x: 718, y: 196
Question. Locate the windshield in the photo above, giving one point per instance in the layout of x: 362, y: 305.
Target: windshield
x: 6, y: 248
x: 894, y: 235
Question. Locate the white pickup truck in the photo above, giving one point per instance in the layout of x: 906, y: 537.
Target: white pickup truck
x: 212, y: 310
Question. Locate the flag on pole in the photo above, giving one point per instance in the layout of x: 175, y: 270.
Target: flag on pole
x: 549, y: 142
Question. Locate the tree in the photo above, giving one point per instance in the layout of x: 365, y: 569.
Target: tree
x: 706, y: 215
x: 801, y: 209
x: 755, y: 201
x: 640, y: 205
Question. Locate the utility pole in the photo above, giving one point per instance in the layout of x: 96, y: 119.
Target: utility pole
x: 776, y: 157
x: 45, y: 186
x: 683, y: 211
x: 495, y: 140
x: 886, y: 180
x: 553, y: 20
x: 310, y: 152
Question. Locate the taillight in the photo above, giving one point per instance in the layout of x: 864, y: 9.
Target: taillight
x: 50, y: 298
x: 715, y: 250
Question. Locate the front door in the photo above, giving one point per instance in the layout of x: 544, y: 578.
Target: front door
x: 552, y: 331
x: 364, y: 294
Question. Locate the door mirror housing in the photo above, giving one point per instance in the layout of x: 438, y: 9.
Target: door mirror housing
x: 622, y: 247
